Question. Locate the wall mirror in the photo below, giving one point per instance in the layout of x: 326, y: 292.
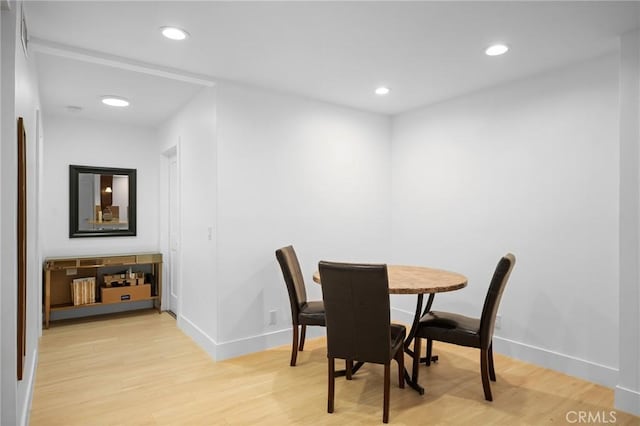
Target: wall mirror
x: 102, y: 202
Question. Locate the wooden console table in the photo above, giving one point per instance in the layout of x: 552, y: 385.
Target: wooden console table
x: 59, y: 272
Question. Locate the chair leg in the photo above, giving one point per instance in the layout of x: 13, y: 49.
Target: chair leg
x: 400, y: 359
x: 484, y: 372
x: 332, y: 383
x: 492, y: 372
x: 294, y: 346
x: 302, y: 337
x: 385, y: 403
x: 348, y: 367
x: 416, y: 359
x: 429, y: 350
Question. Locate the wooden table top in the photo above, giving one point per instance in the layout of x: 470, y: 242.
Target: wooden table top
x: 419, y: 279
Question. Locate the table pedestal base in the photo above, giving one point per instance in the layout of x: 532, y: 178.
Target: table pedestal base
x: 411, y: 336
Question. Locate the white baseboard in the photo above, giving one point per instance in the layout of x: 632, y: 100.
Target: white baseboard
x: 234, y: 348
x: 29, y: 383
x: 224, y: 350
x: 238, y: 347
x: 401, y: 316
x: 627, y: 400
x: 567, y: 364
x: 203, y: 340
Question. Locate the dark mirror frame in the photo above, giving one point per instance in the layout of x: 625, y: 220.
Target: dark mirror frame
x: 74, y: 228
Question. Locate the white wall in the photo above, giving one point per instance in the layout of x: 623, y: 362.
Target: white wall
x: 529, y: 167
x: 8, y: 182
x: 94, y: 143
x: 192, y: 132
x: 628, y: 388
x: 27, y: 106
x: 291, y: 171
x: 3, y: 125
x: 19, y: 99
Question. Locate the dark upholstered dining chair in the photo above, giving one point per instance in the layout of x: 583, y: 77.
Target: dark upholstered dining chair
x: 356, y: 301
x: 465, y: 331
x: 303, y: 312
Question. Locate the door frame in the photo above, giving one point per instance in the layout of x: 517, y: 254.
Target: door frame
x: 165, y: 238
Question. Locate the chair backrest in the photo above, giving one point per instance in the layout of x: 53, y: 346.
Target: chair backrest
x: 494, y: 294
x: 356, y: 305
x: 293, y: 278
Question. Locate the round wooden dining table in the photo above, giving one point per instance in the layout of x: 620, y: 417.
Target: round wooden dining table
x: 419, y: 280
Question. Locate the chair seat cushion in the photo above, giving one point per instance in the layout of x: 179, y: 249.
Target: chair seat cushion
x: 398, y: 334
x: 312, y: 313
x: 451, y: 328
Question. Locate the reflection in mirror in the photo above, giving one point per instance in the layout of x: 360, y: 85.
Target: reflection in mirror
x: 102, y: 201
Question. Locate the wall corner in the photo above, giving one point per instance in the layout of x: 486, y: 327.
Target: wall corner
x: 627, y: 394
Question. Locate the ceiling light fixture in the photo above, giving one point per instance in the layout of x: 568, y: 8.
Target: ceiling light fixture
x: 115, y: 101
x: 496, y: 50
x: 381, y: 91
x: 174, y: 33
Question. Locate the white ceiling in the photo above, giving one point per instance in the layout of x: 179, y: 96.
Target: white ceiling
x: 67, y: 82
x: 333, y: 51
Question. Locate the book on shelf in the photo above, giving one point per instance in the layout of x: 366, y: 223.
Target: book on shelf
x: 83, y: 291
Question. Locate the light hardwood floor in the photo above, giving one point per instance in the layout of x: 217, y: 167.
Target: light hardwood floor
x: 139, y: 369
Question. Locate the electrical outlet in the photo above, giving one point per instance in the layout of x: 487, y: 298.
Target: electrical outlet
x: 498, y: 324
x: 273, y: 317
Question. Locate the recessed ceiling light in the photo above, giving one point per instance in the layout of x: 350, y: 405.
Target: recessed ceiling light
x: 496, y: 50
x: 174, y: 33
x: 115, y: 101
x: 382, y: 91
x: 73, y: 108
